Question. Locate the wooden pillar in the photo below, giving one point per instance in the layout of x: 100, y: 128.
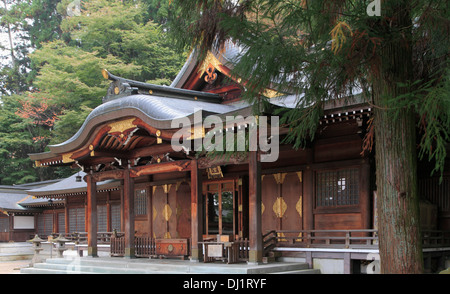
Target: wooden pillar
x: 92, y: 215
x: 66, y: 215
x: 196, y: 211
x: 364, y: 183
x: 128, y: 209
x: 308, y: 198
x: 108, y: 212
x: 255, y: 226
x: 149, y: 190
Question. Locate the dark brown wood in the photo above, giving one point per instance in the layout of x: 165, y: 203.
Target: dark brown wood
x: 206, y: 162
x: 292, y: 194
x: 269, y: 195
x: 308, y: 198
x: 183, y: 210
x: 108, y: 211
x: 159, y: 223
x: 364, y: 195
x: 149, y: 191
x: 108, y: 175
x: 172, y: 247
x: 196, y: 210
x: 92, y: 215
x: 255, y: 231
x: 128, y: 208
x: 164, y: 167
x: 66, y: 215
x: 172, y: 217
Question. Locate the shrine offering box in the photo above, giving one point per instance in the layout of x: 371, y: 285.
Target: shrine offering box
x: 172, y: 247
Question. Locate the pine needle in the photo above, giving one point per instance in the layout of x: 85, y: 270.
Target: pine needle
x: 338, y: 36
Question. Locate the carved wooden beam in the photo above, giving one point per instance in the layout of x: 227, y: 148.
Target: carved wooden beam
x: 164, y: 167
x: 235, y: 158
x: 108, y: 175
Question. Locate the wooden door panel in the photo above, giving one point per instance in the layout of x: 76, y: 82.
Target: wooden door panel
x: 269, y: 195
x: 159, y: 223
x: 184, y: 210
x: 292, y: 195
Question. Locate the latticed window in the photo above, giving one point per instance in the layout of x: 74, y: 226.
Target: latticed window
x: 115, y: 217
x: 140, y: 202
x: 61, y: 222
x: 4, y: 224
x: 45, y: 224
x: 102, y: 222
x: 337, y: 188
x: 77, y: 220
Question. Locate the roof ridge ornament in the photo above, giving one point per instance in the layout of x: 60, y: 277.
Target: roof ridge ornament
x: 121, y: 87
x: 118, y: 87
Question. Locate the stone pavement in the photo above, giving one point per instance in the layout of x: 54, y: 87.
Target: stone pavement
x: 13, y: 266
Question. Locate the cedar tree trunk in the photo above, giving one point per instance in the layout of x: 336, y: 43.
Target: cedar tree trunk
x: 395, y: 141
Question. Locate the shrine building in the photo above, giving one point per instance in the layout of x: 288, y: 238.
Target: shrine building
x: 147, y: 194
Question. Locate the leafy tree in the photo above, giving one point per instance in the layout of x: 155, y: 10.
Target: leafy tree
x: 54, y: 68
x: 13, y: 75
x: 324, y: 49
x: 21, y: 134
x: 27, y: 24
x: 158, y: 10
x: 122, y: 30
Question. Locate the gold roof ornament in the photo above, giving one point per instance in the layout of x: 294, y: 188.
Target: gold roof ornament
x: 105, y: 74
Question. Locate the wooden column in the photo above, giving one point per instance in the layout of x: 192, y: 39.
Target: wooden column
x: 149, y: 190
x: 196, y: 211
x: 92, y: 215
x: 66, y: 215
x: 364, y: 184
x: 108, y: 212
x: 308, y: 198
x: 255, y: 226
x: 128, y: 209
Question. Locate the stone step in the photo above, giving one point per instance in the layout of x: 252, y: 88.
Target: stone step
x: 90, y: 265
x: 89, y: 269
x: 301, y: 272
x: 119, y: 266
x: 34, y: 270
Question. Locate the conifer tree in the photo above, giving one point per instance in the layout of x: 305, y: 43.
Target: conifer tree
x: 395, y: 51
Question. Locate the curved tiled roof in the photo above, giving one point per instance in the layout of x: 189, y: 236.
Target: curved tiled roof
x: 70, y: 186
x: 156, y: 110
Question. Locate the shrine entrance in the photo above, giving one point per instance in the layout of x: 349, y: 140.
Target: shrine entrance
x: 222, y: 211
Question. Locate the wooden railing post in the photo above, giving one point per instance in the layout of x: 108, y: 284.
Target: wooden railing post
x: 347, y: 239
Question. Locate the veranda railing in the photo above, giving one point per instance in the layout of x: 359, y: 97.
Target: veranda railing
x: 146, y: 247
x: 342, y: 238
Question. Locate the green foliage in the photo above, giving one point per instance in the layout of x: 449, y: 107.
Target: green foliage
x: 16, y: 141
x: 158, y: 10
x: 434, y: 111
x: 60, y: 82
x: 112, y: 28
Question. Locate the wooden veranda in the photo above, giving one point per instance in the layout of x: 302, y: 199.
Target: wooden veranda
x: 348, y: 245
